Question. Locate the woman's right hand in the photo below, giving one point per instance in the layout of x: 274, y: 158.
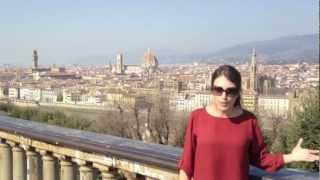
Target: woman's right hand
x: 299, y: 154
x: 183, y: 175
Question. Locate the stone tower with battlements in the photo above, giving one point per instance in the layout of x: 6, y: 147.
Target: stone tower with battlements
x: 35, y: 59
x: 119, y: 64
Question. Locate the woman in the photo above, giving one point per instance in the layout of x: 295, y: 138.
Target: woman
x: 223, y: 139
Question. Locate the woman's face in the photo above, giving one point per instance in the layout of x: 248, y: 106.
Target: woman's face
x: 224, y: 93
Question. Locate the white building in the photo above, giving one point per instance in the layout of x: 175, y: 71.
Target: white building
x: 71, y: 96
x: 274, y: 105
x: 133, y: 69
x: 49, y: 96
x: 190, y: 102
x: 95, y: 100
x: 89, y: 99
x: 26, y: 94
x: 14, y: 93
x: 30, y: 94
x: 83, y: 97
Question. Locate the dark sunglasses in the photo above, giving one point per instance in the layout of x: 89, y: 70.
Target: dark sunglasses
x: 231, y: 92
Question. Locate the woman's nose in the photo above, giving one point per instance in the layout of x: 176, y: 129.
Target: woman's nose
x: 224, y: 94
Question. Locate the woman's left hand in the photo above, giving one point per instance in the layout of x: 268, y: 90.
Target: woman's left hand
x: 299, y: 154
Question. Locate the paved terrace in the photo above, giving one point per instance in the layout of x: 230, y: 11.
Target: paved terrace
x: 36, y: 151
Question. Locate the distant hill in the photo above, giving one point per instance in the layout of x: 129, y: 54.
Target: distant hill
x: 283, y: 50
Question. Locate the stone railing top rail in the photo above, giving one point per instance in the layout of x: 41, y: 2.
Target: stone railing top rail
x: 160, y: 155
x: 155, y: 154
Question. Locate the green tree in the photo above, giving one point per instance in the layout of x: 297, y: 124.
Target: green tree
x: 306, y: 124
x: 46, y: 116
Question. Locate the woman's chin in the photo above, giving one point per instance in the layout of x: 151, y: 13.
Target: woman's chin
x: 225, y: 109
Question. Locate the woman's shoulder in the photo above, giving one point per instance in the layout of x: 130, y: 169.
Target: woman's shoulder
x: 248, y: 115
x: 196, y: 116
x: 198, y: 112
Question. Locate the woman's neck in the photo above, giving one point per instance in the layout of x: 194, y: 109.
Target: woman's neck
x: 234, y: 112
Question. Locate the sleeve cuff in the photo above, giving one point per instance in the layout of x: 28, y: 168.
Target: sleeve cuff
x: 281, y: 161
x: 181, y: 166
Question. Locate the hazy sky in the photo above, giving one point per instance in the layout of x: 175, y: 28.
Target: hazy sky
x: 62, y: 30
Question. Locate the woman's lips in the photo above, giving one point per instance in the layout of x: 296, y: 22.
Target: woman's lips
x: 224, y: 103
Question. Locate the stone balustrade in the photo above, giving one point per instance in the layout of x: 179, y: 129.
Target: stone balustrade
x: 36, y: 151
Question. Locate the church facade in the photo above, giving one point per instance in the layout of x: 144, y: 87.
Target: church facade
x: 149, y: 65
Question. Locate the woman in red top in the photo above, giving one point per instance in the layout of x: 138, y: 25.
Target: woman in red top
x: 223, y: 139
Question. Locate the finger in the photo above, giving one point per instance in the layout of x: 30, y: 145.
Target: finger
x: 312, y: 158
x: 299, y: 142
x: 313, y: 151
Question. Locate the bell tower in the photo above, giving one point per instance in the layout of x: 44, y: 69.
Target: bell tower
x: 253, y: 71
x: 35, y: 59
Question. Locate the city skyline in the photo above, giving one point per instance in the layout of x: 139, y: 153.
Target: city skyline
x: 63, y: 31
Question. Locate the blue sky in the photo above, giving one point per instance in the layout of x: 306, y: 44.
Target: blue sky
x: 62, y: 30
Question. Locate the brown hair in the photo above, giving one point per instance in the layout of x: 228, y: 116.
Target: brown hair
x: 232, y: 74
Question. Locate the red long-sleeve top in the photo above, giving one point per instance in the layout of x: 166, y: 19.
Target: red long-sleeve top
x: 222, y: 148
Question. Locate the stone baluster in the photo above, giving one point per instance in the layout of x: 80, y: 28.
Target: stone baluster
x: 19, y: 165
x: 33, y: 164
x: 129, y: 175
x: 86, y: 170
x: 67, y: 168
x: 49, y: 171
x: 150, y: 178
x: 134, y: 176
x: 107, y: 173
x: 5, y: 161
